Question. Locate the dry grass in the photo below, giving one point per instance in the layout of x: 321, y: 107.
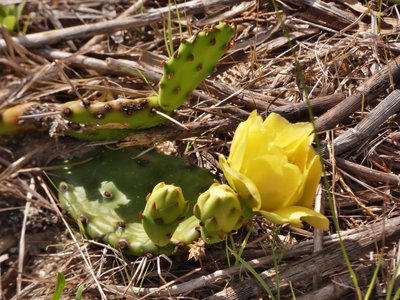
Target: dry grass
x: 338, y: 51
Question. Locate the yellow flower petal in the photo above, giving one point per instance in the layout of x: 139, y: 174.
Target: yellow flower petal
x: 277, y: 181
x: 312, y: 176
x: 295, y: 215
x: 288, y: 135
x: 241, y: 184
x: 250, y: 140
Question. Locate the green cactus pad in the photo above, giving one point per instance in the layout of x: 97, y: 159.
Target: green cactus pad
x: 107, y: 194
x: 117, y: 114
x: 194, y: 60
x: 219, y: 211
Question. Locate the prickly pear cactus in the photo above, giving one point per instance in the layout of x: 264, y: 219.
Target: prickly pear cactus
x: 165, y: 209
x: 106, y: 196
x: 219, y: 211
x: 194, y: 60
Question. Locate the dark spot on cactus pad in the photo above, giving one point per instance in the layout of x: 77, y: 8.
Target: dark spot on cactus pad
x: 190, y: 57
x: 107, y: 195
x: 177, y: 90
x: 121, y: 225
x: 84, y: 220
x: 199, y: 67
x: 63, y: 187
x: 130, y: 107
x: 123, y: 244
x: 74, y: 126
x: 66, y: 112
x: 107, y: 107
x: 170, y: 75
x: 213, y: 41
x: 85, y: 103
x: 159, y: 221
x: 162, y: 85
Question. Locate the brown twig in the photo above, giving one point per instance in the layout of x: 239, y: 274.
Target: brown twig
x: 373, y: 87
x: 35, y: 40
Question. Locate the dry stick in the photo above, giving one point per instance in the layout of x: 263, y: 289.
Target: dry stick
x: 174, y: 132
x: 323, y: 9
x: 373, y: 87
x: 368, y: 173
x: 370, y: 125
x: 204, y: 281
x: 329, y: 260
x: 340, y: 285
x: 55, y: 36
x: 22, y: 250
x: 299, y: 111
x: 96, y: 39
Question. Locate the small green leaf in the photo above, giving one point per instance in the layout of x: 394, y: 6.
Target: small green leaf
x: 59, y: 286
x: 79, y: 292
x: 9, y: 22
x: 20, y: 8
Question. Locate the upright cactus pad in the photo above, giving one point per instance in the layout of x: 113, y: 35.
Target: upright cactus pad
x: 106, y: 195
x: 194, y: 60
x: 219, y: 211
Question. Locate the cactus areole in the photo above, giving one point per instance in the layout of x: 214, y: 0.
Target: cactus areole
x: 107, y: 198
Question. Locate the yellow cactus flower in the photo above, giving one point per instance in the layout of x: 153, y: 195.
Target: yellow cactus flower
x: 274, y: 167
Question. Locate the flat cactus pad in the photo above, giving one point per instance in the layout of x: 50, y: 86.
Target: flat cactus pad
x: 107, y: 195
